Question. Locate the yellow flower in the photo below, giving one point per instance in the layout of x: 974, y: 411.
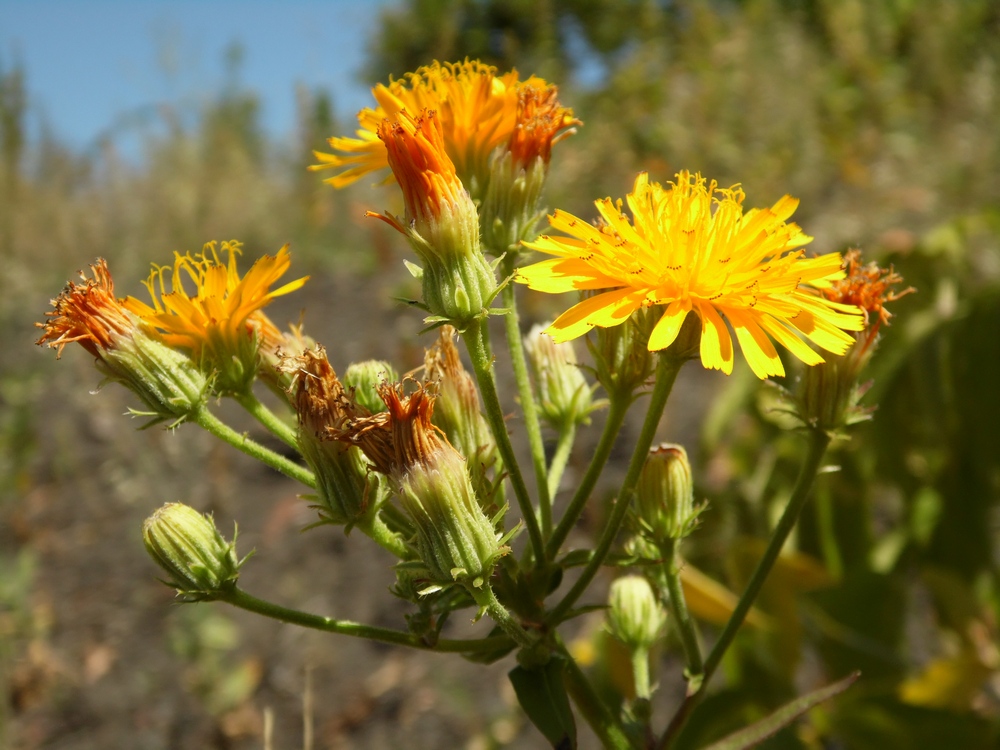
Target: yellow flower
x: 221, y: 324
x: 478, y: 111
x: 690, y: 247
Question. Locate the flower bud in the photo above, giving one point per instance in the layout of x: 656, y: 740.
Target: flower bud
x: 457, y: 411
x: 365, y: 378
x: 200, y: 564
x: 622, y: 360
x: 635, y: 615
x: 126, y: 350
x: 565, y: 397
x: 664, y: 502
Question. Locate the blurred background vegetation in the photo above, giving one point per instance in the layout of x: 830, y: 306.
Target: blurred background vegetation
x: 881, y: 115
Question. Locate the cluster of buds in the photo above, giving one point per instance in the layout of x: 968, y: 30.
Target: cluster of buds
x: 455, y: 539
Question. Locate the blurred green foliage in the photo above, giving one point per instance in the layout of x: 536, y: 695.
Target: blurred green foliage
x: 881, y: 116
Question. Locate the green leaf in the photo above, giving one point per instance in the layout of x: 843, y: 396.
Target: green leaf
x: 542, y: 694
x: 756, y: 733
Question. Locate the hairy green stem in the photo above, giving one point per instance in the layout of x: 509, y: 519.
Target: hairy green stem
x: 487, y: 600
x: 667, y: 368
x: 475, y: 337
x: 274, y: 424
x: 376, y: 529
x: 528, y: 406
x: 208, y: 421
x: 679, y: 610
x: 240, y: 598
x: 617, y: 410
x: 818, y: 442
x: 608, y: 730
x: 564, y: 446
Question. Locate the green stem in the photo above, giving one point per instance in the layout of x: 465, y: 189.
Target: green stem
x: 528, y: 406
x: 617, y: 410
x: 679, y: 610
x: 608, y: 730
x: 377, y: 530
x: 482, y: 364
x: 667, y: 368
x: 274, y: 424
x: 564, y: 446
x: 205, y: 419
x: 488, y: 601
x: 640, y: 673
x: 818, y: 442
x: 243, y: 600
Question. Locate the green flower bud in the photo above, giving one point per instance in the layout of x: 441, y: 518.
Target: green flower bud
x: 511, y: 211
x: 664, y: 502
x: 365, y: 378
x: 200, y: 564
x: 455, y: 539
x: 635, y: 615
x: 622, y: 360
x: 457, y: 411
x: 565, y: 397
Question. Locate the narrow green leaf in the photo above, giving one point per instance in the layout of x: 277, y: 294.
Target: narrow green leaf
x: 542, y: 694
x: 754, y: 734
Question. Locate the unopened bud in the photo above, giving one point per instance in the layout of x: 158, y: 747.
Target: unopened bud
x: 635, y: 615
x: 622, y: 360
x: 665, y: 495
x: 365, y: 378
x: 200, y: 564
x: 565, y: 397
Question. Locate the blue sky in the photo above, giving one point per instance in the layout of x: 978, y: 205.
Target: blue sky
x: 94, y: 66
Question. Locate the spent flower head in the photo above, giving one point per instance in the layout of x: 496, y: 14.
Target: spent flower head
x: 220, y: 323
x: 829, y: 395
x: 125, y: 349
x: 691, y: 247
x: 455, y: 539
x: 347, y: 490
x: 479, y: 111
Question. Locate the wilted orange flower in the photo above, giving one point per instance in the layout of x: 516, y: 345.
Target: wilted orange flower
x: 541, y: 122
x: 690, y: 247
x: 224, y: 310
x: 869, y: 287
x: 89, y: 314
x: 477, y: 107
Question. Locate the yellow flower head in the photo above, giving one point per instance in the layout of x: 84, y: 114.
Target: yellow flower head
x: 221, y: 323
x: 690, y: 246
x: 477, y: 107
